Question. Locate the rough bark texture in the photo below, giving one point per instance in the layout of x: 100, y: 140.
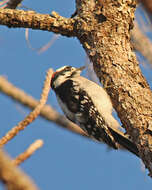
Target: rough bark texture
x: 31, y: 19
x: 104, y: 30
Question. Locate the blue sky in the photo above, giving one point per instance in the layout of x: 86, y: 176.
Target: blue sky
x: 66, y: 161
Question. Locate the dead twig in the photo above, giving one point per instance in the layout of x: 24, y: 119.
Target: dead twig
x: 27, y: 153
x: 32, y: 116
x: 141, y: 42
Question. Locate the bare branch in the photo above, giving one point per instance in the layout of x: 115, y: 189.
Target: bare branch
x: 32, y: 116
x: 141, y: 43
x: 27, y: 153
x: 12, y: 177
x: 30, y: 19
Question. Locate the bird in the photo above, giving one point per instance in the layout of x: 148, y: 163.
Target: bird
x: 89, y: 106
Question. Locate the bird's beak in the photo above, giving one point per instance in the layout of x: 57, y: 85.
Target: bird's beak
x: 80, y: 68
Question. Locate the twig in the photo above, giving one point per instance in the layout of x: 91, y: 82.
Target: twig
x: 12, y: 177
x: 27, y: 153
x: 32, y: 116
x: 141, y: 43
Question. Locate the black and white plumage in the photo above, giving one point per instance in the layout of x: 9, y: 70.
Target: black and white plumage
x: 89, y: 106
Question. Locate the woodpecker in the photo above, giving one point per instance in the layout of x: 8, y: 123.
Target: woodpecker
x: 89, y: 106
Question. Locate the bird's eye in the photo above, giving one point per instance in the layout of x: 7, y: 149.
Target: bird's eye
x: 68, y: 68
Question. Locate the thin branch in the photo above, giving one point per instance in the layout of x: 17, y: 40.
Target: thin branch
x: 30, y: 19
x: 32, y: 116
x: 27, y: 153
x: 12, y: 177
x: 46, y: 112
x: 141, y: 43
x: 147, y: 4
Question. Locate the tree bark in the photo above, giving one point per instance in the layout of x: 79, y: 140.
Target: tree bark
x: 103, y: 28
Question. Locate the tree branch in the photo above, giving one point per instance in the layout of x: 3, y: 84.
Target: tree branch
x: 141, y: 43
x: 104, y: 31
x: 27, y: 153
x: 32, y: 116
x: 30, y: 19
x: 139, y: 39
x: 103, y: 28
x: 12, y: 177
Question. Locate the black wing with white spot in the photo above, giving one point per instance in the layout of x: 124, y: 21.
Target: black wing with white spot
x: 79, y: 108
x: 92, y: 122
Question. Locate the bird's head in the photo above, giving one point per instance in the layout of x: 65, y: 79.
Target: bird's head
x: 64, y: 73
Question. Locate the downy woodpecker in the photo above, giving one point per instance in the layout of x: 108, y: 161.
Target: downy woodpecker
x: 89, y: 106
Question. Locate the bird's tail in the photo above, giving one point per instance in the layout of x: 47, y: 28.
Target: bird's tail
x: 124, y: 141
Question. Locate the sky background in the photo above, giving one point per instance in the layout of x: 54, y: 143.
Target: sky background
x: 66, y: 161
